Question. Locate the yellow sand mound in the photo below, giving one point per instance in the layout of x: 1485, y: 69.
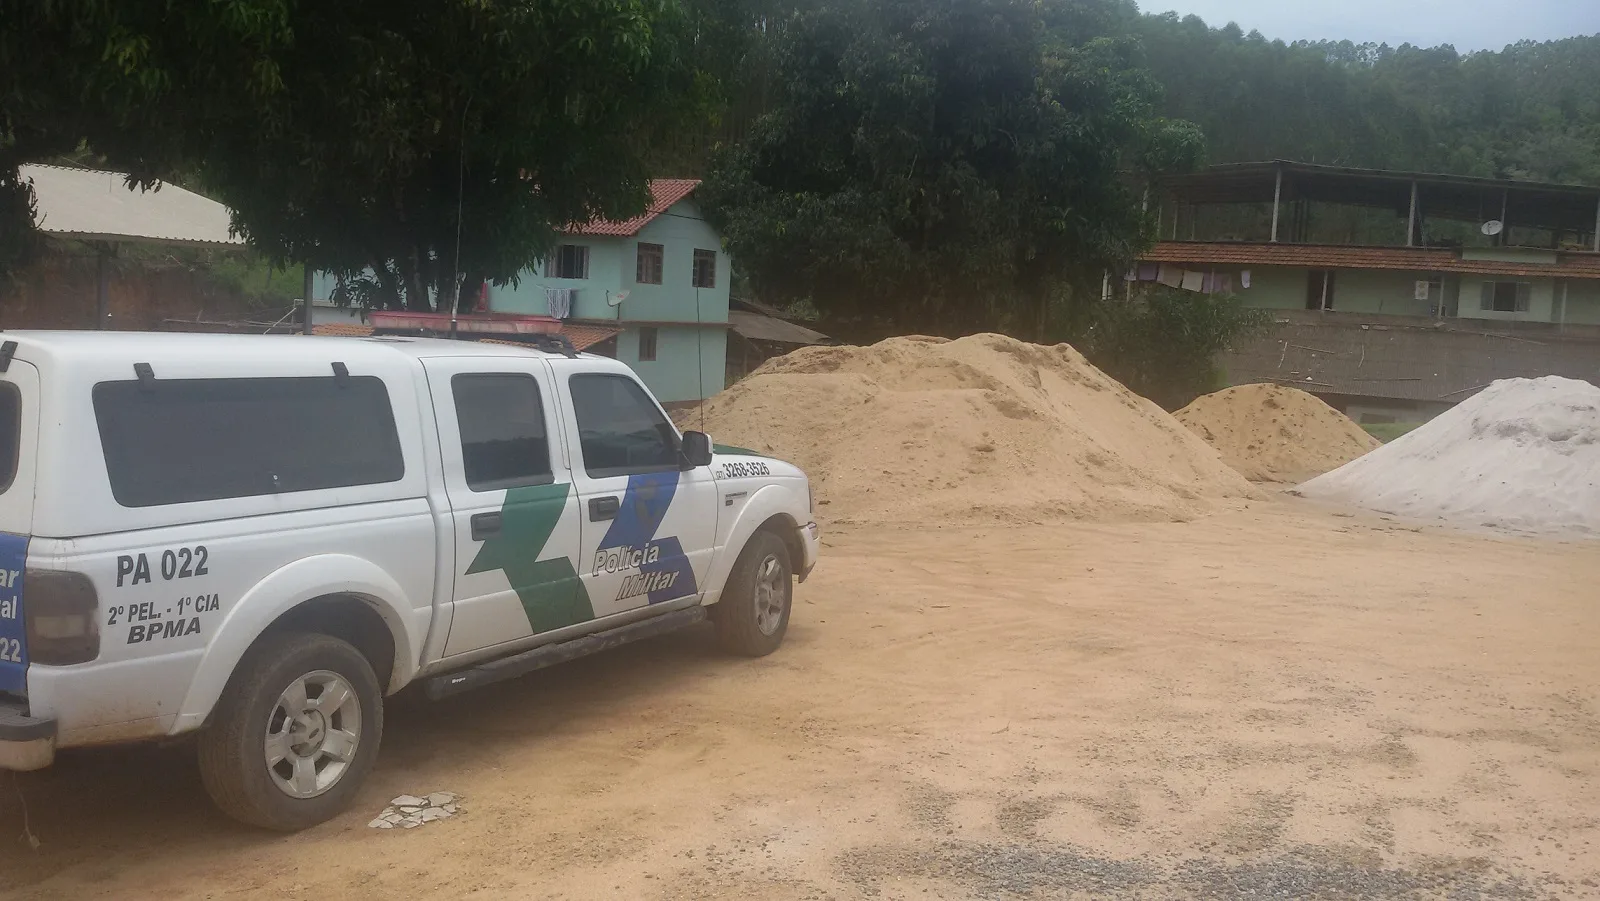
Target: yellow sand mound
x: 1272, y: 433
x: 985, y: 428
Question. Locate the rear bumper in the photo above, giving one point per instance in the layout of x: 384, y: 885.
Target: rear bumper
x: 26, y: 742
x: 811, y: 540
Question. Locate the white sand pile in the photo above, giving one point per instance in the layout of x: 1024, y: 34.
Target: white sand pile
x: 985, y: 428
x: 1523, y: 454
x: 1271, y: 433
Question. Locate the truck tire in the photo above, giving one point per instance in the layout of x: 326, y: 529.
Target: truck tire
x: 295, y: 733
x: 753, y: 613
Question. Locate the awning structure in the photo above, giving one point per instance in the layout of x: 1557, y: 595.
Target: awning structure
x: 582, y: 337
x: 98, y: 208
x: 95, y: 205
x: 1516, y: 261
x: 757, y: 327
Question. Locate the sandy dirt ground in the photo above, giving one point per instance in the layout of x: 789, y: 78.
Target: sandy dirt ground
x: 1273, y: 701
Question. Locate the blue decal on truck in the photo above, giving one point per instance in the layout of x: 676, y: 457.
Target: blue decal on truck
x: 13, y: 631
x: 661, y: 570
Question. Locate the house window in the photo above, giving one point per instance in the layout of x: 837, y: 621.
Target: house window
x: 1319, y: 289
x: 647, y: 344
x: 1507, y: 297
x: 705, y: 269
x: 569, y: 261
x: 647, y: 267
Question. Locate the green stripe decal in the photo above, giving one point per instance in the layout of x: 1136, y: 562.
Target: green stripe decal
x: 551, y: 594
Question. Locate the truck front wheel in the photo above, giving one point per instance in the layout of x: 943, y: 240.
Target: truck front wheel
x: 753, y: 613
x: 294, y: 734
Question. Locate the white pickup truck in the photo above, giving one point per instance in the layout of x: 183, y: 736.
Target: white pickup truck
x: 258, y: 538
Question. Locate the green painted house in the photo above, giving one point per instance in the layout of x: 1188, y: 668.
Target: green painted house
x: 658, y: 281
x: 1394, y: 294
x: 651, y: 291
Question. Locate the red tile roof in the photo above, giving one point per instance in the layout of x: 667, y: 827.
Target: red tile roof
x: 664, y: 192
x: 584, y: 337
x: 1334, y: 256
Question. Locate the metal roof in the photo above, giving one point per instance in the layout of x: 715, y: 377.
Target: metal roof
x: 95, y: 205
x: 757, y: 327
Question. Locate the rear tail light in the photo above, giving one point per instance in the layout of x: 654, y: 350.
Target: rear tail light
x: 62, y: 614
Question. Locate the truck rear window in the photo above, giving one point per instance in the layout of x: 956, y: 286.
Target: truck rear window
x: 175, y: 441
x: 10, y: 433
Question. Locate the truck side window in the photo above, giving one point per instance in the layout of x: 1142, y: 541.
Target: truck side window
x: 177, y: 441
x: 503, y: 439
x: 10, y: 433
x: 620, y: 430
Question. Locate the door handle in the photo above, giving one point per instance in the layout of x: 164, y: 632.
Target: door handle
x: 484, y: 525
x: 603, y: 508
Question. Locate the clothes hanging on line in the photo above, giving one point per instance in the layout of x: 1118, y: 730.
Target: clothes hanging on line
x: 559, y: 302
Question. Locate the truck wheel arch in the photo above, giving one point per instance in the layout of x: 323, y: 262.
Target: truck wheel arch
x: 291, y: 597
x: 767, y: 509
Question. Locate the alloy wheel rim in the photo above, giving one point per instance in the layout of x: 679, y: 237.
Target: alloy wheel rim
x: 770, y: 596
x: 313, y: 732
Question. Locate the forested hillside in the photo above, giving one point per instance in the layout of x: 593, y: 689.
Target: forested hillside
x: 1529, y: 111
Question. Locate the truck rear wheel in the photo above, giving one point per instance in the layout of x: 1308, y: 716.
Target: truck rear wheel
x: 295, y: 733
x: 753, y: 614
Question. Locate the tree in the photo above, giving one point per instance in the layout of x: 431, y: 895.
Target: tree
x: 1163, y: 343
x: 946, y: 165
x: 422, y: 141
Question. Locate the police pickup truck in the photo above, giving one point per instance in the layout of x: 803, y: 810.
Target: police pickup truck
x: 256, y: 539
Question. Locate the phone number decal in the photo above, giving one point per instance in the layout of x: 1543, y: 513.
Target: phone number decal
x: 740, y: 470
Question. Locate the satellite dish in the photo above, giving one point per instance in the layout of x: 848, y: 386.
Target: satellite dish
x: 617, y: 298
x: 1493, y: 227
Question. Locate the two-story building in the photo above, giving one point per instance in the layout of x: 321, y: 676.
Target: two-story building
x: 1394, y: 294
x: 660, y: 280
x: 651, y: 291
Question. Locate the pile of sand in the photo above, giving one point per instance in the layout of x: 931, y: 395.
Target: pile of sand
x: 1523, y: 454
x: 985, y: 428
x: 1270, y: 433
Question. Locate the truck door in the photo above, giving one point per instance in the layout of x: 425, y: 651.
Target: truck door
x: 649, y: 525
x: 511, y: 501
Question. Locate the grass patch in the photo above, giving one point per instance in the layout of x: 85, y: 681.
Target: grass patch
x: 1388, y: 431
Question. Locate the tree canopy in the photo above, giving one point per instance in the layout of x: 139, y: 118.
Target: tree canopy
x: 949, y: 165
x: 376, y: 135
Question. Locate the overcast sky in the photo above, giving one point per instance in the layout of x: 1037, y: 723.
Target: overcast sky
x: 1468, y: 24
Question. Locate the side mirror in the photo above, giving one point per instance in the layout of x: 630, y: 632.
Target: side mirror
x: 696, y: 449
